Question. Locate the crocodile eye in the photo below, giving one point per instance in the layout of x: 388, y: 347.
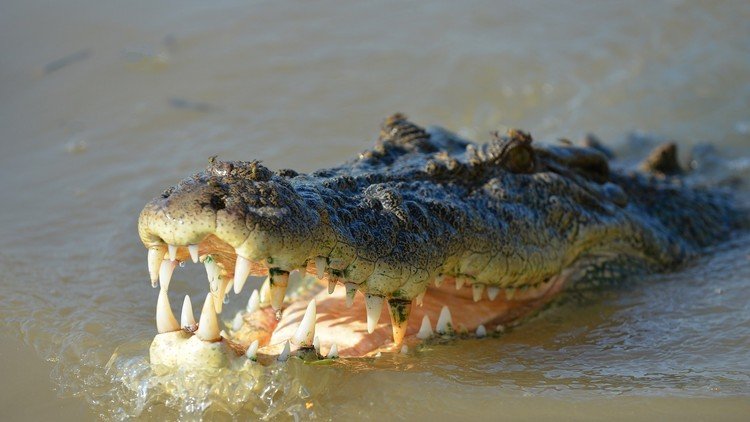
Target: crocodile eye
x: 512, y: 151
x: 520, y: 158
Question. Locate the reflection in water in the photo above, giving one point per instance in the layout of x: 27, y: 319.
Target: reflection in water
x: 149, y: 94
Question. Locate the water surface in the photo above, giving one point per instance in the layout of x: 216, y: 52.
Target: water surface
x: 104, y: 105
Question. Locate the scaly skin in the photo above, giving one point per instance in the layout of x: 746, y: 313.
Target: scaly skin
x: 425, y: 204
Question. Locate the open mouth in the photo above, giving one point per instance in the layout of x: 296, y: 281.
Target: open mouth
x: 324, y: 315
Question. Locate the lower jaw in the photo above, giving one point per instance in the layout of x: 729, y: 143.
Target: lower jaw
x: 335, y: 323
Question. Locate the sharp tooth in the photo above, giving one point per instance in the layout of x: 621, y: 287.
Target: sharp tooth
x: 227, y: 289
x: 492, y: 292
x: 316, y: 344
x: 420, y: 298
x: 351, y: 290
x: 172, y: 252
x: 476, y: 290
x: 165, y: 320
x: 254, y: 303
x: 306, y: 331
x: 265, y: 291
x: 400, y: 310
x: 165, y: 273
x: 219, y: 294
x: 374, y: 304
x: 241, y: 272
x: 439, y: 280
x: 186, y: 318
x: 320, y: 266
x: 460, y: 281
x: 334, y: 352
x: 481, y: 331
x: 509, y: 293
x: 208, y: 327
x: 279, y: 282
x: 252, y: 350
x: 445, y: 323
x: 212, y: 273
x: 425, y: 331
x: 155, y: 256
x: 285, y: 353
x: 216, y: 285
x: 237, y: 321
x: 193, y: 249
x: 331, y: 286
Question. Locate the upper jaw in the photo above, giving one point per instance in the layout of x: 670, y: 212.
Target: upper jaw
x: 255, y: 213
x: 384, y: 243
x: 175, y: 221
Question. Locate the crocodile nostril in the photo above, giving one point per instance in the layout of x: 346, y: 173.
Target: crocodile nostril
x: 217, y: 202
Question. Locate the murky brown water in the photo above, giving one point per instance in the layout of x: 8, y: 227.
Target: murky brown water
x: 102, y: 106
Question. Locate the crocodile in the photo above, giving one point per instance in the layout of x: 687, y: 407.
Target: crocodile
x: 433, y: 226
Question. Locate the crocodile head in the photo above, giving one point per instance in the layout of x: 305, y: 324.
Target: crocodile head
x: 434, y: 227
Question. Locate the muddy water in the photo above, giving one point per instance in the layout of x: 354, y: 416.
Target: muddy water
x: 104, y: 105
